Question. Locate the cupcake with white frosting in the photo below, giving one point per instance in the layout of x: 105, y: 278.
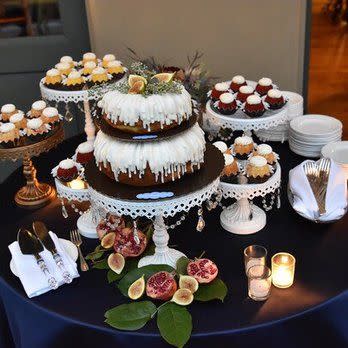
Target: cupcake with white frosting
x: 107, y: 59
x: 53, y: 79
x: 36, y: 109
x: 88, y: 68
x: 19, y: 120
x: 219, y: 88
x: 243, y: 146
x: 74, y: 81
x: 243, y: 93
x: 222, y: 146
x: 115, y: 69
x: 7, y: 111
x: 89, y: 57
x: 63, y: 68
x: 266, y: 151
x: 237, y: 82
x: 67, y: 170
x: 35, y: 127
x: 84, y: 153
x: 50, y: 115
x: 258, y: 170
x: 8, y: 133
x: 67, y: 60
x: 275, y: 99
x: 99, y: 75
x: 227, y: 104
x: 254, y: 106
x: 230, y: 171
x: 263, y: 86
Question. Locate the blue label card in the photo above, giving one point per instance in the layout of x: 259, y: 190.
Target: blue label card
x: 154, y: 195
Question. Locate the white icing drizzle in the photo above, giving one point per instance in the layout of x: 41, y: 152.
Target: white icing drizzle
x: 274, y: 93
x: 130, y: 108
x: 7, y: 127
x: 265, y: 81
x: 53, y: 72
x: 264, y: 149
x: 7, y: 108
x: 258, y: 161
x: 244, y: 140
x: 38, y: 105
x: 239, y: 79
x: 226, y: 98
x: 67, y: 164
x: 246, y: 89
x: 50, y: 112
x: 253, y: 99
x: 164, y: 157
x: 34, y: 123
x: 228, y: 159
x: 85, y: 147
x: 222, y: 86
x: 221, y: 146
x: 17, y: 117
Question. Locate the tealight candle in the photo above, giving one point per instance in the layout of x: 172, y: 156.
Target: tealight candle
x: 283, y: 270
x: 254, y: 255
x: 77, y: 184
x: 259, y: 282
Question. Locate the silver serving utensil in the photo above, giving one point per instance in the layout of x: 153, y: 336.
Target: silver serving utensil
x: 75, y: 237
x: 41, y: 232
x: 30, y: 245
x: 312, y: 174
x: 324, y: 173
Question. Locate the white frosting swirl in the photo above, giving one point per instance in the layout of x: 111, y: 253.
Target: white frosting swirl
x: 53, y: 72
x: 253, y: 99
x: 109, y: 58
x: 66, y: 59
x: 264, y: 149
x: 85, y: 147
x: 17, y: 117
x: 90, y: 64
x: 74, y: 75
x: 246, y: 89
x: 50, y: 112
x: 34, y: 123
x: 229, y: 159
x: 243, y: 140
x: 38, y: 105
x: 62, y: 66
x: 258, y: 161
x: 226, y: 98
x: 7, y: 127
x: 274, y: 93
x: 130, y: 108
x: 89, y: 56
x: 265, y: 81
x: 163, y: 157
x: 222, y: 86
x: 98, y: 70
x: 67, y: 164
x: 221, y: 146
x: 7, y: 108
x: 239, y: 79
x: 114, y: 63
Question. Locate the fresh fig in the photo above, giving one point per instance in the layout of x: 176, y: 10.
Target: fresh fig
x: 126, y: 245
x: 108, y: 240
x: 116, y: 262
x: 132, y: 79
x: 183, y: 297
x: 161, y: 286
x: 137, y: 289
x: 137, y: 88
x: 164, y: 77
x: 188, y: 282
x: 203, y: 270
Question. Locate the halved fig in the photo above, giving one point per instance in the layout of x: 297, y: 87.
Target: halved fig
x: 137, y: 88
x: 163, y: 77
x: 188, y: 282
x: 116, y: 262
x: 137, y: 289
x: 183, y: 297
x: 108, y: 240
x: 132, y: 79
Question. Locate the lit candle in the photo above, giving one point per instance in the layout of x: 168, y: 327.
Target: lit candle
x: 77, y: 184
x: 254, y: 255
x: 259, y: 282
x: 283, y: 270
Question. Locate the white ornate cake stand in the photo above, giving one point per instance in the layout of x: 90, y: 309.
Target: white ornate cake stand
x: 84, y: 96
x: 86, y: 223
x: 242, y: 217
x: 157, y: 209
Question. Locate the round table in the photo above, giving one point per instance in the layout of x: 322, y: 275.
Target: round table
x: 310, y: 313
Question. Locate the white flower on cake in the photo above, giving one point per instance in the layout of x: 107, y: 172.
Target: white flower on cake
x: 227, y: 98
x: 221, y: 146
x: 38, y: 105
x: 265, y: 81
x: 243, y: 140
x: 239, y: 79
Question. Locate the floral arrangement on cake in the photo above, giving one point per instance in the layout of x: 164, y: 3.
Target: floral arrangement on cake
x: 122, y: 243
x: 194, y: 76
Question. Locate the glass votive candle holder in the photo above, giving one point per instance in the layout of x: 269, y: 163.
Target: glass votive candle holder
x: 259, y: 282
x: 254, y: 255
x: 283, y: 270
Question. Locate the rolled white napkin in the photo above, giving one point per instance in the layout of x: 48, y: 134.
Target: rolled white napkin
x: 32, y: 278
x: 304, y: 200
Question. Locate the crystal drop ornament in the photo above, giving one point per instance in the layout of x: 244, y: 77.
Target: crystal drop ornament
x: 201, y: 223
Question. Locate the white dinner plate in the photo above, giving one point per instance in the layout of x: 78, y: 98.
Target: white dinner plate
x: 69, y: 247
x: 315, y: 125
x: 338, y: 151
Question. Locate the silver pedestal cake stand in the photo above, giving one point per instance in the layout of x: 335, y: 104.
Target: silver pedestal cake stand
x: 157, y: 202
x: 243, y: 217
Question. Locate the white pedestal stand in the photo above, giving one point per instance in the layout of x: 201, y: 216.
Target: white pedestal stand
x: 243, y: 217
x: 158, y: 209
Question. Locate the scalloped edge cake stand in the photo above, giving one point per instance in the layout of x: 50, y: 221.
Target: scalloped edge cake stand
x: 236, y: 217
x: 86, y: 224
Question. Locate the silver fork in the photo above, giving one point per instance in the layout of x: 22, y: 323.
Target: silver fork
x: 324, y: 172
x: 312, y: 174
x: 75, y: 237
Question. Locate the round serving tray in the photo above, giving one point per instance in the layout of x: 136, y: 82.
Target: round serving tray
x: 143, y: 138
x: 210, y: 171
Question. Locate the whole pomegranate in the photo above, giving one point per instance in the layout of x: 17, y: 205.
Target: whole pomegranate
x: 126, y: 245
x: 203, y: 270
x: 112, y: 223
x: 161, y: 286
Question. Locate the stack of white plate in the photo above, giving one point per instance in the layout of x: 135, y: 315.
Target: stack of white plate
x: 309, y: 133
x: 338, y: 152
x: 281, y: 133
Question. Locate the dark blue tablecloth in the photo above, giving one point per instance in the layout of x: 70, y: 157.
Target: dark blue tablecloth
x: 312, y: 313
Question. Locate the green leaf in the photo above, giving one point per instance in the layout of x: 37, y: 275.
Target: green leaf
x: 174, y: 323
x: 136, y: 273
x: 103, y: 264
x: 181, y: 265
x: 216, y: 290
x: 130, y: 265
x: 130, y: 316
x: 96, y: 254
x: 113, y: 276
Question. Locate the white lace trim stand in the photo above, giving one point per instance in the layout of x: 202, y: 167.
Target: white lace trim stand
x: 242, y: 217
x: 87, y: 222
x: 75, y: 97
x: 158, y: 209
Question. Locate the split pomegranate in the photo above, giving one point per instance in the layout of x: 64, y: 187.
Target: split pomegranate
x: 111, y: 223
x: 203, y: 270
x: 161, y: 286
x: 126, y: 245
